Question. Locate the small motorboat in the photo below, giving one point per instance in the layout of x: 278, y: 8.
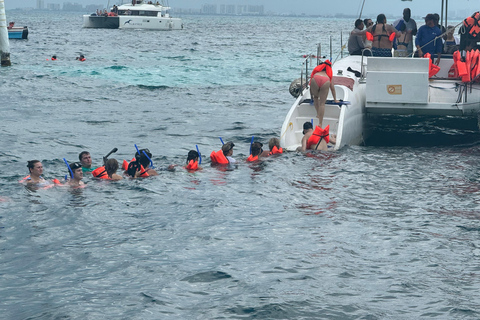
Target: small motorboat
x: 17, y: 32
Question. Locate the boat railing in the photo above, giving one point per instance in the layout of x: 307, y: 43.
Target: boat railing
x: 362, y: 70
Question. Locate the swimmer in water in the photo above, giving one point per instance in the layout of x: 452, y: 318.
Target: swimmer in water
x: 76, y: 180
x: 111, y: 166
x: 86, y: 161
x: 36, y: 170
x: 312, y: 141
x: 227, y: 149
x: 192, y: 161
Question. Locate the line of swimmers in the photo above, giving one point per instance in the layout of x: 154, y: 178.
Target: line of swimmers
x: 141, y: 166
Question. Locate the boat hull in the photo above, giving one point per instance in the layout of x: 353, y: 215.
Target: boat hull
x: 18, y: 33
x: 132, y: 22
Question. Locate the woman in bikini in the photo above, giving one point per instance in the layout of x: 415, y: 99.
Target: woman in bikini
x: 320, y: 83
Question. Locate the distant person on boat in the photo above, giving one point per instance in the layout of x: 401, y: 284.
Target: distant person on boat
x: 368, y: 22
x: 355, y: 42
x: 86, y: 161
x: 452, y: 43
x: 382, y: 36
x: 10, y: 25
x: 403, y: 43
x: 320, y: 83
x: 115, y: 9
x: 76, y: 180
x: 429, y: 39
x: 317, y: 139
x: 410, y: 30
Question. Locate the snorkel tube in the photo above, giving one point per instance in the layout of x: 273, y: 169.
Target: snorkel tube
x: 221, y: 140
x: 199, y: 155
x: 151, y: 162
x: 106, y: 157
x: 251, y: 142
x: 69, y: 169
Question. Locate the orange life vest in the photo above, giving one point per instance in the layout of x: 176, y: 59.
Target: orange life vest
x: 472, y: 24
x: 276, y: 150
x: 218, y: 157
x: 369, y: 36
x: 100, y: 173
x: 432, y: 68
x: 251, y: 158
x: 143, y: 173
x: 192, y: 165
x: 327, y: 66
x: 317, y: 135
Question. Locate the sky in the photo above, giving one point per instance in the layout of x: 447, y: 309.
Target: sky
x: 350, y: 7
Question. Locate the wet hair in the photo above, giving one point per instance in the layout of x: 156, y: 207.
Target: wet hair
x: 142, y: 159
x: 111, y: 166
x: 192, y: 155
x: 273, y: 142
x: 31, y: 164
x: 75, y: 165
x: 380, y: 19
x: 307, y: 125
x: 83, y: 153
x: 358, y: 22
x: 227, y: 147
x: 256, y: 148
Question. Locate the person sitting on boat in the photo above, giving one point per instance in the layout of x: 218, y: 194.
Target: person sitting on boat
x: 382, y: 36
x: 356, y: 42
x: 452, y: 42
x: 317, y: 139
x: 320, y: 83
x: 428, y: 39
x: 410, y: 30
x: 10, y: 25
x: 76, y: 170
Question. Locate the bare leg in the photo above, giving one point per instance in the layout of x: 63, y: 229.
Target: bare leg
x: 320, y: 102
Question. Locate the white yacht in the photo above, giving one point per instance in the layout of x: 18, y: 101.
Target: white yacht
x: 136, y: 14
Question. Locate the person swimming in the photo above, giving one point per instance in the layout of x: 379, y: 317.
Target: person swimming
x: 192, y: 161
x: 35, y: 178
x: 77, y: 172
x: 141, y: 165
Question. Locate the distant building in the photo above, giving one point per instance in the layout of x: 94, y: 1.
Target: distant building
x: 40, y: 4
x: 68, y: 6
x: 209, y: 9
x: 53, y: 6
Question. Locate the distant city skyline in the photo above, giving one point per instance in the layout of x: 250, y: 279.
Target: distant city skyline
x: 310, y: 7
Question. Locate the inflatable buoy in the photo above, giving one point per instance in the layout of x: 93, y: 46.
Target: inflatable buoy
x: 296, y: 87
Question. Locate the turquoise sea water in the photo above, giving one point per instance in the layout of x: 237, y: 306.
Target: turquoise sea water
x: 385, y: 231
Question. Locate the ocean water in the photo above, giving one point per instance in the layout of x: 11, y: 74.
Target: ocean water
x: 384, y: 231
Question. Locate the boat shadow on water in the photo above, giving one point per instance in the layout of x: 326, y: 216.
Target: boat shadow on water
x: 421, y: 131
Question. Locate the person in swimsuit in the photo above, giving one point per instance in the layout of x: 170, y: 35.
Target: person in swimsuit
x: 227, y: 150
x: 111, y: 166
x: 320, y: 83
x: 310, y: 143
x: 403, y: 42
x: 36, y: 170
x: 86, y: 161
x: 76, y: 180
x: 382, y: 37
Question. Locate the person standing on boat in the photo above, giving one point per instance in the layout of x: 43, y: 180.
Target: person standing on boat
x: 355, y: 41
x: 428, y: 39
x: 410, y: 29
x: 382, y: 36
x: 320, y: 83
